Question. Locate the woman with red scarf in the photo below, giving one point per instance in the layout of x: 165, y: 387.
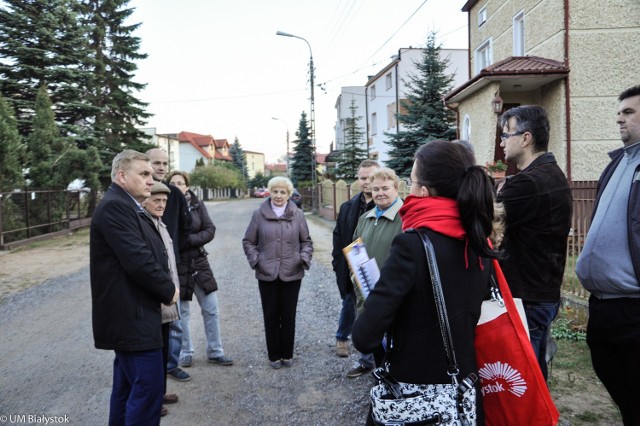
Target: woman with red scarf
x: 452, y: 199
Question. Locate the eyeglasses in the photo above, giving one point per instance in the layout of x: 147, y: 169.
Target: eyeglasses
x: 410, y: 182
x: 506, y: 136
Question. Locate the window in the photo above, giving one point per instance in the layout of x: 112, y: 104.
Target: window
x: 482, y: 16
x: 389, y: 81
x: 374, y: 124
x: 483, y: 56
x: 372, y: 92
x: 518, y: 34
x: 391, y: 115
x: 466, y: 128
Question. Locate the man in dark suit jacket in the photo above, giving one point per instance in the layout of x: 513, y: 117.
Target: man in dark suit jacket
x: 129, y: 280
x: 346, y: 223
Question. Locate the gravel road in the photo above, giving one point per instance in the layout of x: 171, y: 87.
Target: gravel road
x: 50, y: 368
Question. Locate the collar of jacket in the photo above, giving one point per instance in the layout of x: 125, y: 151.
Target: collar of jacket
x: 390, y: 213
x: 268, y: 213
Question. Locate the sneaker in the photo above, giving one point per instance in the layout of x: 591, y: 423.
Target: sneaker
x: 275, y: 364
x: 186, y: 361
x: 286, y: 362
x: 358, y: 370
x: 221, y: 360
x: 179, y: 375
x: 342, y: 348
x: 170, y: 398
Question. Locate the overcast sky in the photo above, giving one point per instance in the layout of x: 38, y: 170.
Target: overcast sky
x: 217, y: 67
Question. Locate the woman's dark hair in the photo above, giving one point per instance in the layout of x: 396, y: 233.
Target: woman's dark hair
x: 448, y: 170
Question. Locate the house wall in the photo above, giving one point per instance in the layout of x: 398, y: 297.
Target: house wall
x: 383, y: 106
x: 172, y: 147
x: 255, y: 163
x: 343, y: 110
x: 188, y: 157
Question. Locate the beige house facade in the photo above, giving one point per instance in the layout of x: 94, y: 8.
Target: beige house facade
x: 571, y: 57
x: 255, y: 163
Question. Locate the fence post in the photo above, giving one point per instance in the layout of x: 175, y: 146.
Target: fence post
x: 335, y: 204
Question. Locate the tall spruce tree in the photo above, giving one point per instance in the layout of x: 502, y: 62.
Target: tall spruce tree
x: 45, y: 147
x: 353, y: 152
x: 42, y: 43
x: 11, y: 149
x: 301, y: 164
x: 238, y: 158
x: 426, y: 117
x: 114, y: 50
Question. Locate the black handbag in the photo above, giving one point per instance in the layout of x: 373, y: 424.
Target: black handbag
x: 397, y: 403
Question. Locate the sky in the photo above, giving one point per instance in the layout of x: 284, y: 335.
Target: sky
x: 217, y: 67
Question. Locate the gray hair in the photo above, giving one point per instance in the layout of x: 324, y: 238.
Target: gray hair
x: 384, y: 173
x: 280, y: 181
x: 123, y: 161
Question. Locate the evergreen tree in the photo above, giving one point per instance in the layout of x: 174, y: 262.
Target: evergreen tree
x: 301, y: 165
x: 45, y: 146
x: 42, y: 44
x: 426, y: 117
x: 114, y: 51
x: 353, y: 152
x: 10, y: 149
x: 238, y: 158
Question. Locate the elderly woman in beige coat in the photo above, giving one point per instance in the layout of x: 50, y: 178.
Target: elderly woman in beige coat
x: 278, y: 247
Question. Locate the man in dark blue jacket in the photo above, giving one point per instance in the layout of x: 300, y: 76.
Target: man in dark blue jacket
x: 538, y: 205
x: 346, y: 223
x: 129, y: 280
x: 609, y: 266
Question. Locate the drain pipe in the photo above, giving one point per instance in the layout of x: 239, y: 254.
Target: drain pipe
x: 567, y: 85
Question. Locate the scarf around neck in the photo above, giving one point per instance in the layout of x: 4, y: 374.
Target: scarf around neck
x: 436, y: 213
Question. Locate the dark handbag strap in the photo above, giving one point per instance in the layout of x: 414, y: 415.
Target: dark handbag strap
x: 438, y: 295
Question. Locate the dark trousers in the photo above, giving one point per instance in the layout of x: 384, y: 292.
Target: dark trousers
x: 165, y: 351
x: 279, y: 303
x: 136, y: 397
x: 613, y: 336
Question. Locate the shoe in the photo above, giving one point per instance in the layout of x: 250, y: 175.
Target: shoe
x: 342, y: 348
x: 286, y: 362
x: 185, y: 362
x: 358, y: 370
x: 221, y: 360
x: 163, y: 411
x: 170, y: 398
x: 179, y: 375
x: 275, y: 364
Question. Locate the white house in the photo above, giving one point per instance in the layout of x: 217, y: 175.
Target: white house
x: 386, y: 90
x: 347, y: 95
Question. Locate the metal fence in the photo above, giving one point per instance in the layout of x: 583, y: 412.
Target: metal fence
x: 332, y: 195
x: 27, y: 216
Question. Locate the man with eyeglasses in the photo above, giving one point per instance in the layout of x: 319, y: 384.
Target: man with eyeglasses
x: 538, y: 203
x: 609, y: 266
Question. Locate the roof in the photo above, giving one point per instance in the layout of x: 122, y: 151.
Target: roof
x: 279, y: 167
x: 320, y: 158
x: 199, y: 142
x: 220, y: 143
x: 468, y: 5
x: 527, y: 72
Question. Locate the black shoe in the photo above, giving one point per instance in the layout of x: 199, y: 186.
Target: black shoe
x: 221, y: 360
x: 179, y: 375
x: 358, y: 371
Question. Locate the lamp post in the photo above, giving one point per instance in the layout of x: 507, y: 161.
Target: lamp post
x: 312, y: 122
x: 285, y: 123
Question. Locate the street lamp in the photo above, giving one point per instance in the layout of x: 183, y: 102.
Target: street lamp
x: 312, y: 123
x: 285, y: 123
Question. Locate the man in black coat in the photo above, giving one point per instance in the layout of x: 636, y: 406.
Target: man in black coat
x: 129, y: 280
x: 346, y: 223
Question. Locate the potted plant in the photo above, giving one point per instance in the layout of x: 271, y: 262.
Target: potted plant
x: 497, y: 169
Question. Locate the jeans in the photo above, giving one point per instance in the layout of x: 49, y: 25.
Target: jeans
x: 136, y: 397
x: 539, y: 317
x: 175, y: 342
x: 347, y: 318
x: 209, y: 308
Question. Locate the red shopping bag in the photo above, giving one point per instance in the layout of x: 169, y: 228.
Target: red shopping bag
x: 514, y: 391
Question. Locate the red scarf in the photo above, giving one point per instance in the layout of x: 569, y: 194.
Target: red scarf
x: 436, y: 213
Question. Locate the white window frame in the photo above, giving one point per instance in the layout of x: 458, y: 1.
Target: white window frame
x: 374, y: 123
x: 466, y: 128
x: 372, y: 92
x: 518, y: 34
x: 388, y: 81
x: 482, y: 15
x: 484, y: 52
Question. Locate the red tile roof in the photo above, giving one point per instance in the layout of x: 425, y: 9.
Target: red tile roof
x: 280, y: 167
x: 525, y: 65
x: 200, y: 142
